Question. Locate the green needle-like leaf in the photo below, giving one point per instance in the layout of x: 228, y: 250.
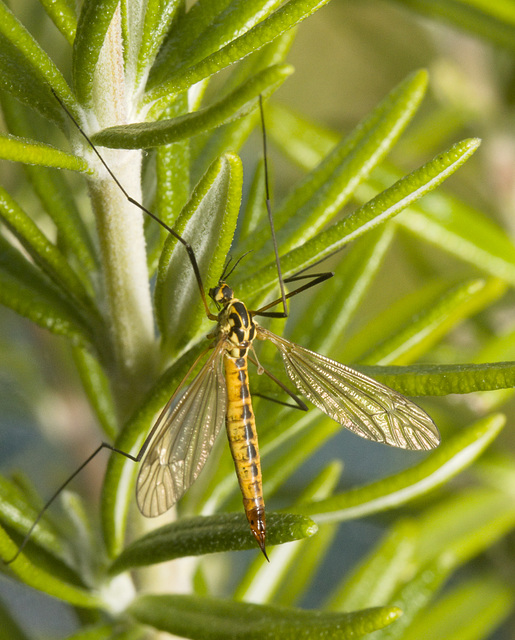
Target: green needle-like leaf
x: 381, y: 208
x: 323, y: 193
x: 198, y: 35
x: 429, y: 325
x: 94, y: 20
x: 473, y: 522
x: 439, y: 218
x: 43, y: 252
x: 44, y: 580
x: 207, y: 222
x: 339, y: 298
x: 232, y: 107
x: 213, y: 534
x: 492, y: 21
x: 96, y: 385
x: 380, y: 574
x: 33, y: 152
x: 158, y: 17
x: 206, y: 148
x: 450, y: 459
x: 27, y: 72
x: 290, y: 14
x: 24, y: 289
x: 470, y: 611
x: 210, y: 619
x: 63, y: 16
x: 18, y: 510
x: 449, y: 224
x: 51, y: 187
x: 442, y: 379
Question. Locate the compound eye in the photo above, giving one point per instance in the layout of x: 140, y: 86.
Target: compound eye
x: 226, y: 292
x: 221, y: 294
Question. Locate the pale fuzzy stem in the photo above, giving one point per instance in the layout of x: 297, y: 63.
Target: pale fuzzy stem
x: 120, y: 229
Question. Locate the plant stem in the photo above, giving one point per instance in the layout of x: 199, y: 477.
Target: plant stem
x: 122, y: 241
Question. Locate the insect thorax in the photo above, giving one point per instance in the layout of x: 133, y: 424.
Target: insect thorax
x: 235, y: 324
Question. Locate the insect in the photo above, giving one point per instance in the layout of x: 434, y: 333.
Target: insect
x: 180, y: 441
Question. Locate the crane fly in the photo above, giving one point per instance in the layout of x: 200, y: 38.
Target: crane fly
x: 178, y: 445
x: 220, y: 391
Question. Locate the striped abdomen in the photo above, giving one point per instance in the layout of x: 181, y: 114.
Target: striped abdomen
x: 241, y: 431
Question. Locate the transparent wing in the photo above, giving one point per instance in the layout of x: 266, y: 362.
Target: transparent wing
x: 362, y: 405
x: 183, y: 441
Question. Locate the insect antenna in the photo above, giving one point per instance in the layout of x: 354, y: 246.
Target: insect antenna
x: 209, y: 370
x: 225, y: 276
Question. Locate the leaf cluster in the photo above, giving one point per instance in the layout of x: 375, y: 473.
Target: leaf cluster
x: 183, y: 83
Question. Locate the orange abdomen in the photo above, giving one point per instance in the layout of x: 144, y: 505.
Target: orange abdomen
x: 241, y: 431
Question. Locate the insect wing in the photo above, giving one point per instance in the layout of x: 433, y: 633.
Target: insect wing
x: 182, y: 444
x: 362, y: 405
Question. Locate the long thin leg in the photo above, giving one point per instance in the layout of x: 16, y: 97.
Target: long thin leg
x: 103, y: 445
x: 317, y: 278
x: 269, y: 211
x: 186, y: 244
x: 106, y: 445
x: 298, y: 402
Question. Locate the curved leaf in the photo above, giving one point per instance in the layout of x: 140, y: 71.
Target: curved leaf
x: 19, y: 509
x: 94, y: 20
x: 237, y: 104
x: 338, y: 299
x: 449, y: 224
x: 439, y: 218
x: 212, y: 619
x: 465, y: 526
x: 380, y: 574
x: 204, y: 30
x: 51, y: 187
x: 97, y: 387
x: 25, y: 290
x: 213, y: 534
x: 158, y: 18
x: 27, y: 72
x: 381, y: 208
x: 326, y: 189
x: 492, y: 21
x: 290, y: 14
x: 63, y: 16
x: 422, y: 317
x: 43, y: 580
x: 207, y: 147
x: 430, y: 324
x: 469, y: 611
x: 43, y: 252
x: 32, y: 152
x: 450, y: 459
x: 442, y: 379
x: 207, y: 222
